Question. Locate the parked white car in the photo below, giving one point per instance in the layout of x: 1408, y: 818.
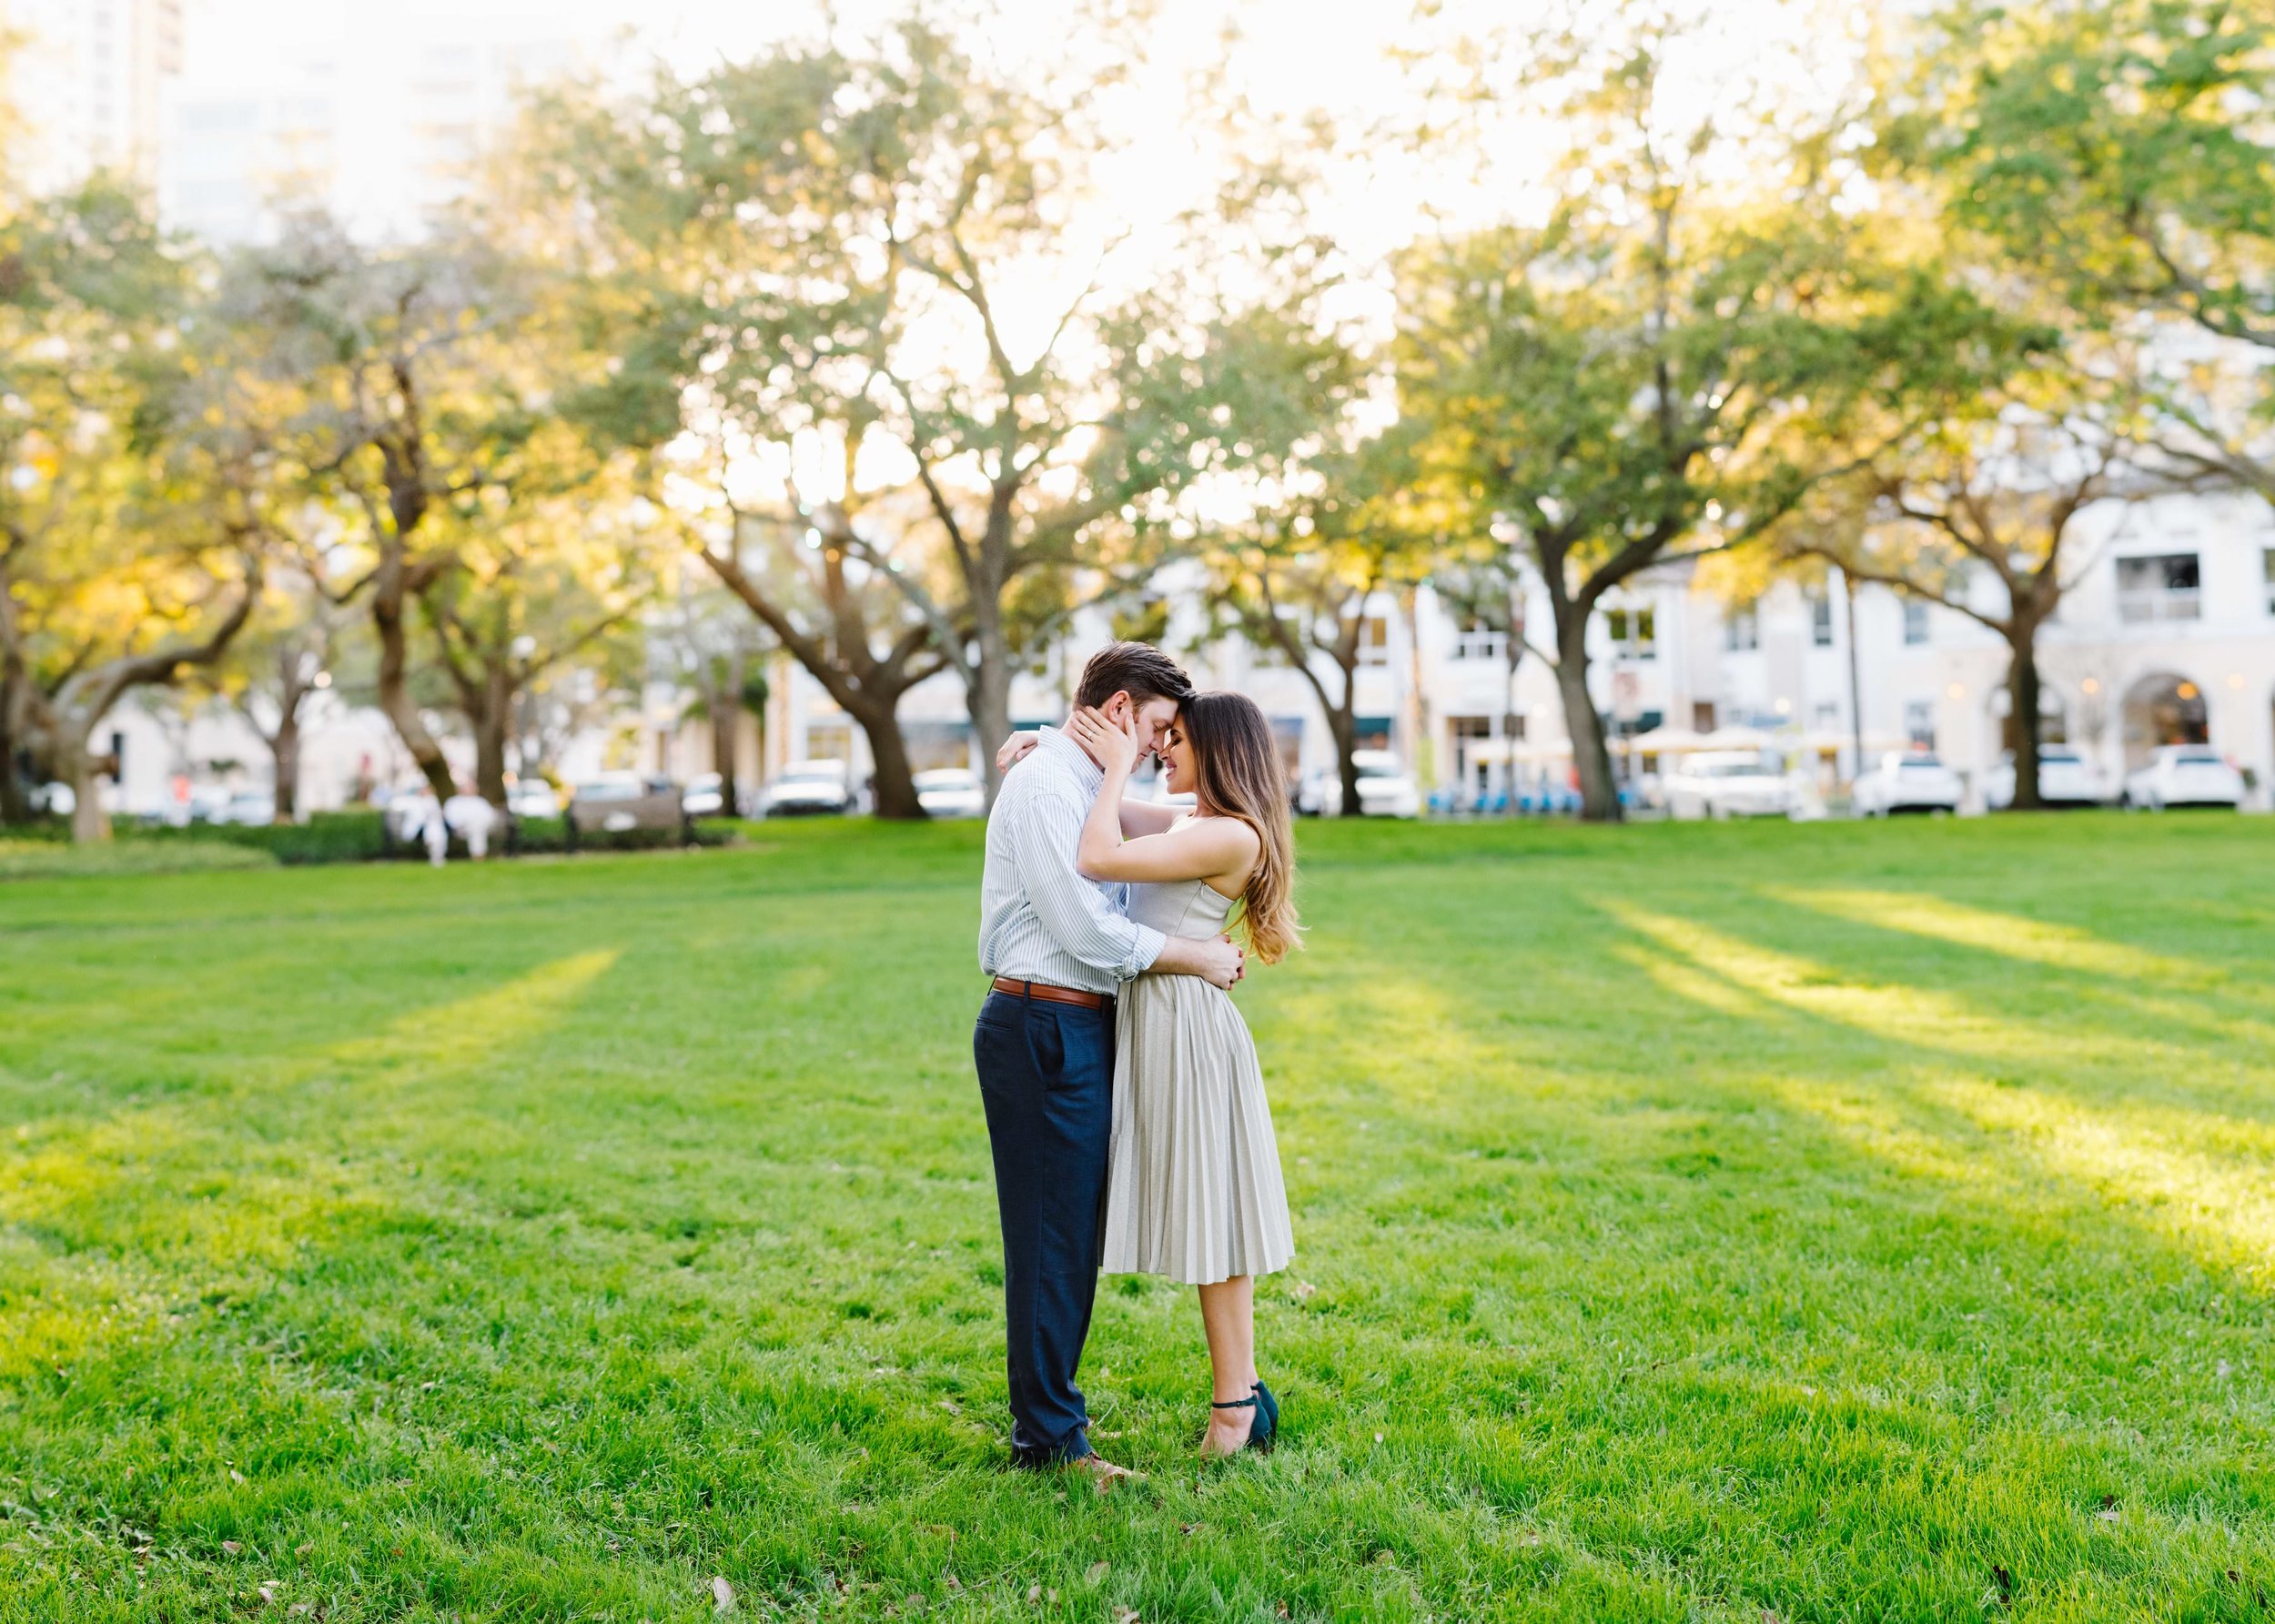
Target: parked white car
x: 952, y: 792
x: 1385, y: 790
x: 808, y: 787
x: 2184, y: 775
x: 253, y: 808
x: 1907, y: 781
x: 2065, y: 779
x: 705, y: 796
x: 1728, y: 783
x: 532, y: 798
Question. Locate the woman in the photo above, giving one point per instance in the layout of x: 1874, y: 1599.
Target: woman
x: 1193, y: 1190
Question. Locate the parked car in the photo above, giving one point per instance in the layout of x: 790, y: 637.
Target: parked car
x: 1907, y: 781
x: 952, y: 792
x: 804, y: 788
x: 618, y: 803
x: 253, y: 808
x: 1385, y: 790
x: 55, y: 800
x: 2184, y: 775
x: 206, y: 804
x: 2065, y: 779
x: 706, y: 796
x: 1728, y: 783
x: 532, y: 798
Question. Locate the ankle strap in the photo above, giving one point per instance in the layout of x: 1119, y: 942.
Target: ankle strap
x: 1232, y: 1403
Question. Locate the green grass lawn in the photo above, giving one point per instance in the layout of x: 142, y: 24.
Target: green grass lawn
x: 1721, y: 1223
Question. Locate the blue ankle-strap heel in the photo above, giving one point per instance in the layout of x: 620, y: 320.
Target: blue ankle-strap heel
x: 1261, y: 1429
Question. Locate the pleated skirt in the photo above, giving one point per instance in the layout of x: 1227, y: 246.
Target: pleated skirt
x: 1193, y: 1187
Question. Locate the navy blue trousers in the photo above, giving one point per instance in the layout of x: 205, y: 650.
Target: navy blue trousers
x: 1047, y: 1077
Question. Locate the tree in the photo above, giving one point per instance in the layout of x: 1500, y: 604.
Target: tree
x: 535, y: 589
x: 840, y: 233
x: 1977, y: 509
x: 838, y: 616
x: 2118, y: 151
x: 1484, y: 585
x: 136, y: 506
x: 712, y: 647
x: 281, y: 661
x: 442, y: 392
x: 1656, y: 371
x: 1297, y: 580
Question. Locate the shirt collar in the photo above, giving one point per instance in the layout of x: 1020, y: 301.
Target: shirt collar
x: 1076, y: 759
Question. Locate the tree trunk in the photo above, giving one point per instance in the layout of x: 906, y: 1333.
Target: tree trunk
x: 2023, y: 690
x: 1591, y: 756
x: 15, y: 800
x: 74, y: 764
x: 991, y: 700
x: 895, y: 783
x: 492, y: 718
x: 285, y: 749
x: 1342, y: 725
x: 394, y: 692
x: 726, y: 710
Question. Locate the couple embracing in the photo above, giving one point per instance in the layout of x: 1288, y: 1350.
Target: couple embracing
x: 1125, y: 1110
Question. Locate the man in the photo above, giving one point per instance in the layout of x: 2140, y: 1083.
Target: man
x: 1057, y: 947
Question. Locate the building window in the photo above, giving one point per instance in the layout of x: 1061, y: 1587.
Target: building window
x: 1702, y: 716
x: 1635, y: 632
x: 1828, y: 717
x: 1919, y: 724
x: 1374, y: 641
x: 1914, y: 622
x: 1821, y: 620
x: 1743, y: 630
x: 2167, y: 586
x: 1478, y: 641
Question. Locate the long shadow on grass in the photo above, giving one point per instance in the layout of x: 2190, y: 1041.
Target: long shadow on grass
x: 1830, y: 1228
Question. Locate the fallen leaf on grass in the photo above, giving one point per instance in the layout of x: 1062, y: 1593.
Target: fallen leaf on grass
x: 1098, y: 1571
x: 2109, y: 1512
x: 1125, y: 1615
x: 231, y: 1546
x: 1035, y: 1592
x: 721, y: 1594
x: 1303, y: 1289
x: 268, y: 1593
x: 1189, y: 1527
x: 236, y: 1476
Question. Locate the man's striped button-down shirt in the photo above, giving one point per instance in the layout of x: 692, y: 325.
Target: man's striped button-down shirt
x: 1039, y: 919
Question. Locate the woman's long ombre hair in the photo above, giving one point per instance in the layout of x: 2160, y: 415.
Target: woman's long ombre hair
x: 1237, y: 763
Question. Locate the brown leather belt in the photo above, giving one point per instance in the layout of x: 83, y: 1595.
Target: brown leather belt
x: 1050, y: 994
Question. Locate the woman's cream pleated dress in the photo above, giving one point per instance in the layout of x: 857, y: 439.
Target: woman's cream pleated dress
x: 1193, y: 1190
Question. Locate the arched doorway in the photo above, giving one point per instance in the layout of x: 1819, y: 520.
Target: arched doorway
x: 2162, y: 709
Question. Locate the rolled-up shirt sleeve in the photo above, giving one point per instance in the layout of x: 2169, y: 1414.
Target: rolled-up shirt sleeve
x: 1071, y: 908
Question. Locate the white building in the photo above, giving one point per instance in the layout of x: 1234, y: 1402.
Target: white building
x: 87, y: 81
x: 377, y: 116
x: 2168, y: 636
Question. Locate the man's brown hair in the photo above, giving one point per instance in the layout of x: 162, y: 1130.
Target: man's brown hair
x: 1142, y: 670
